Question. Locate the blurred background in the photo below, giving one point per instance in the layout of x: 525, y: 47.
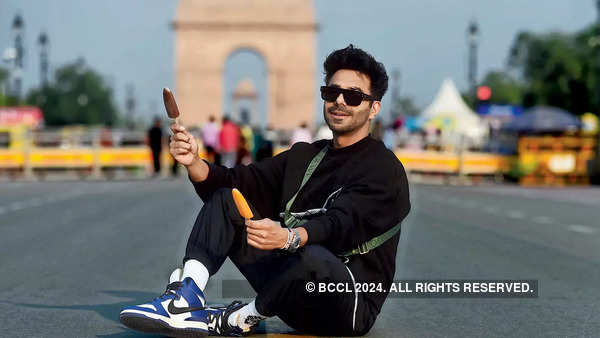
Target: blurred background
x: 492, y: 108
x: 477, y: 90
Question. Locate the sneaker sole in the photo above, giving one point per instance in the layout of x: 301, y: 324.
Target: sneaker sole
x: 150, y: 325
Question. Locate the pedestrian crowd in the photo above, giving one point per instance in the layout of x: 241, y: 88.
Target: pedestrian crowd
x: 230, y: 143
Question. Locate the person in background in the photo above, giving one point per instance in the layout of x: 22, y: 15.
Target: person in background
x: 106, y: 138
x: 324, y: 133
x: 210, y: 138
x: 266, y: 147
x: 229, y: 140
x: 390, y: 135
x: 155, y: 136
x: 377, y: 130
x: 257, y: 141
x: 248, y: 137
x: 272, y: 135
x: 243, y: 154
x: 301, y: 134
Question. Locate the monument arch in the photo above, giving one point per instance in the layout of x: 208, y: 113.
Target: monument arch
x: 207, y: 32
x: 245, y: 86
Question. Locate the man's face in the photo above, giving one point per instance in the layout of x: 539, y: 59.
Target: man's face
x: 341, y: 118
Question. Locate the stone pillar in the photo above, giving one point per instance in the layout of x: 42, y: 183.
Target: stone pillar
x: 283, y: 32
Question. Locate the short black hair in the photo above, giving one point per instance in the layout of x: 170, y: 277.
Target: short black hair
x: 357, y: 59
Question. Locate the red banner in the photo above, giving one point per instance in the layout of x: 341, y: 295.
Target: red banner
x: 29, y: 116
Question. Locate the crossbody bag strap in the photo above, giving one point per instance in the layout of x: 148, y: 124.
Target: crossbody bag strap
x: 373, y: 242
x: 289, y: 220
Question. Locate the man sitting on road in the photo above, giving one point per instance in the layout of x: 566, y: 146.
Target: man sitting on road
x: 329, y: 211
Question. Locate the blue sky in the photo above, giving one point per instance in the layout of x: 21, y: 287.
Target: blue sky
x: 131, y: 41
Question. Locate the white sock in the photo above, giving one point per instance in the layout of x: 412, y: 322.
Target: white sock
x: 197, y: 271
x: 238, y: 318
x: 175, y: 276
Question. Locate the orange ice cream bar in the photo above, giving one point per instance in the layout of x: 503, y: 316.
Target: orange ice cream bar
x: 241, y: 204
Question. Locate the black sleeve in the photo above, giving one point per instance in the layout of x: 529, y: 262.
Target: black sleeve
x: 363, y: 210
x: 260, y: 183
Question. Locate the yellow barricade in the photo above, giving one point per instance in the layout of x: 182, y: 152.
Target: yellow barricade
x: 416, y: 161
x: 447, y: 163
x: 428, y: 161
x: 61, y: 158
x: 11, y: 159
x: 483, y: 163
x: 125, y: 157
x: 78, y: 158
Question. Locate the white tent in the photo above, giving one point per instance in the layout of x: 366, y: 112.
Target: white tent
x: 450, y: 114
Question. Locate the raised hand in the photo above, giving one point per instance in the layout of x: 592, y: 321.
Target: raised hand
x: 183, y: 146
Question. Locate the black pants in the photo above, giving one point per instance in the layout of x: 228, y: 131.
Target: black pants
x: 156, y: 159
x: 278, y: 277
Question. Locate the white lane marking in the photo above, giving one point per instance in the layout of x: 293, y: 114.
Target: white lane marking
x: 39, y: 201
x: 516, y: 214
x: 35, y: 203
x: 543, y: 220
x: 16, y: 206
x: 582, y: 229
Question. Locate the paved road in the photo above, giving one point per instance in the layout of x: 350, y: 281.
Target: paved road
x: 73, y: 254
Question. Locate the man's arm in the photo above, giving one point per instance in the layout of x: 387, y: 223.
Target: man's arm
x: 364, y: 210
x: 261, y: 182
x: 197, y: 171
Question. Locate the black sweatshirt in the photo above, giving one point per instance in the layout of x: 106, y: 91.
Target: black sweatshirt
x: 374, y: 198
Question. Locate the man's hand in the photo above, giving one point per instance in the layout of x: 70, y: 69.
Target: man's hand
x: 183, y: 146
x: 266, y: 234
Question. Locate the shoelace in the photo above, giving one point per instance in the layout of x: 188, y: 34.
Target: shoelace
x: 171, y: 290
x: 219, y: 320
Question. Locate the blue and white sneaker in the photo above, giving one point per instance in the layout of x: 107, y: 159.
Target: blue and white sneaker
x: 180, y: 311
x: 217, y: 320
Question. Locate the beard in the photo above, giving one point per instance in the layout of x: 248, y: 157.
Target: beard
x: 354, y: 121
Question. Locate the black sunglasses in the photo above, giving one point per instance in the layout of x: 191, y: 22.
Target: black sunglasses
x: 351, y: 97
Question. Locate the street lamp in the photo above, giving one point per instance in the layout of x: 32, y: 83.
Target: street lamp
x: 395, y: 94
x: 8, y: 56
x: 473, y: 40
x: 130, y: 105
x: 43, y: 43
x: 18, y: 28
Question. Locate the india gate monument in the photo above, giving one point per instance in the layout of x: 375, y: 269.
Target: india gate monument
x: 207, y: 32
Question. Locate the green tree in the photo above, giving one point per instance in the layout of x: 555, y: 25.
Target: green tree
x: 3, y: 75
x: 78, y: 95
x: 3, y: 83
x: 555, y: 70
x: 505, y: 89
x: 588, y: 43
